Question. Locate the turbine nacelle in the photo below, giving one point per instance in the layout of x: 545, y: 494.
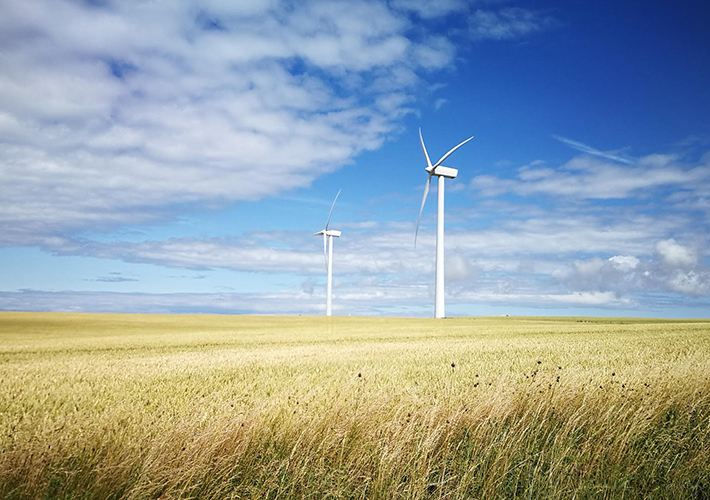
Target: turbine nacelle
x: 435, y: 169
x: 328, y: 235
x: 329, y: 232
x: 443, y: 171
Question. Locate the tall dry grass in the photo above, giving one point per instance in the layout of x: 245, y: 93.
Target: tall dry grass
x: 102, y: 406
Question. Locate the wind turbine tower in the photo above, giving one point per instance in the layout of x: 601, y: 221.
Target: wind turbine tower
x: 441, y: 172
x: 328, y: 235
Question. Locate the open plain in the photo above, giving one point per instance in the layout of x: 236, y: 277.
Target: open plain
x: 158, y: 406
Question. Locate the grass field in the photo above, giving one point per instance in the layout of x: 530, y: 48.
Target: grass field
x: 132, y: 406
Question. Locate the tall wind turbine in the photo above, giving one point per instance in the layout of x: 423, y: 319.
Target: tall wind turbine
x: 328, y: 235
x: 441, y: 172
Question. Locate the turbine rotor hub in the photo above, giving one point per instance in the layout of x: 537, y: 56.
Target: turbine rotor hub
x: 443, y: 171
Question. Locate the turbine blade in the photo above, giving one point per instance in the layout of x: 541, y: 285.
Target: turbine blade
x: 331, y: 209
x: 451, y: 151
x: 426, y: 192
x: 426, y: 155
x: 325, y: 253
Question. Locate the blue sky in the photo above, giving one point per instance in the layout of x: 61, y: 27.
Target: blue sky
x: 177, y: 156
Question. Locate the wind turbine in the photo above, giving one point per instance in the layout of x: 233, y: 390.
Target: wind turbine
x: 328, y: 235
x: 441, y: 172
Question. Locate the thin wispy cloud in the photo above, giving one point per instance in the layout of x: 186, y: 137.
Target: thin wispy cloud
x: 579, y: 146
x: 113, y: 279
x: 509, y: 23
x: 591, y: 178
x: 429, y: 10
x: 440, y: 103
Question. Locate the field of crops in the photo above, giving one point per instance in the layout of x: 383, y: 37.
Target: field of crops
x: 132, y: 406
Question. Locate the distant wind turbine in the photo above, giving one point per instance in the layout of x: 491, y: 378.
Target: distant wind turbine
x: 441, y: 172
x: 328, y: 235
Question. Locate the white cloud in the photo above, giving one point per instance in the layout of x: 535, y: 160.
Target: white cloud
x: 356, y: 299
x: 592, y: 151
x: 618, y: 248
x: 428, y: 9
x: 309, y: 286
x: 548, y: 300
x: 690, y: 283
x: 128, y: 112
x: 287, y: 302
x: 661, y: 198
x: 533, y: 260
x: 590, y: 178
x: 458, y: 267
x: 271, y: 252
x: 507, y: 24
x: 437, y: 52
x: 674, y: 254
x: 482, y: 265
x: 439, y: 103
x: 624, y: 262
x: 119, y: 113
x: 673, y: 268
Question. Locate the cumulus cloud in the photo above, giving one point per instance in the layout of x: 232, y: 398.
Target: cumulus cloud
x: 624, y: 262
x: 675, y: 255
x: 624, y: 248
x: 124, y: 113
x: 673, y: 268
x: 309, y: 286
x: 690, y: 282
x: 458, y: 267
x: 602, y: 275
x: 118, y: 113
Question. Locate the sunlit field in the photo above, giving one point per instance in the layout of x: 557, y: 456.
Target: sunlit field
x: 132, y: 406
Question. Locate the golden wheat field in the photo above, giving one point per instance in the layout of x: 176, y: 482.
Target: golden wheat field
x: 158, y: 406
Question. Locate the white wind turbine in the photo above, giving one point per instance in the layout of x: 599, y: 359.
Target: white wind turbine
x: 328, y: 235
x: 441, y: 172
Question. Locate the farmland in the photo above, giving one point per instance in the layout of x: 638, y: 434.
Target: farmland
x: 159, y: 406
